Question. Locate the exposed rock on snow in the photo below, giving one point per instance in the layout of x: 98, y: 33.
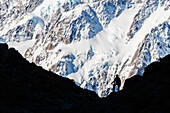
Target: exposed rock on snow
x: 90, y: 41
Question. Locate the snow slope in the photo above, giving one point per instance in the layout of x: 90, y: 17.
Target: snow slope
x: 91, y: 42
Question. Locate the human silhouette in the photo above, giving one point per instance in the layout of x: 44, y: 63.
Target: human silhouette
x: 117, y: 82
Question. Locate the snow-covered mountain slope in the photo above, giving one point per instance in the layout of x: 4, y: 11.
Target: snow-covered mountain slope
x: 90, y: 41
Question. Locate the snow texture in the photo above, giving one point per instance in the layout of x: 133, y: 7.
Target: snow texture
x: 89, y: 41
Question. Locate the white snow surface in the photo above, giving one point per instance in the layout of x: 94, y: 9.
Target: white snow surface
x: 93, y: 62
x: 21, y: 46
x: 108, y: 45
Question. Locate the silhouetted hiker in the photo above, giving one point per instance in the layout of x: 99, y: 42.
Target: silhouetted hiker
x: 117, y: 82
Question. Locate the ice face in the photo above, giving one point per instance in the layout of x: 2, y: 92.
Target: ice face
x: 2, y: 41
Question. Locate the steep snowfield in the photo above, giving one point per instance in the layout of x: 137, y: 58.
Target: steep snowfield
x: 156, y: 18
x: 18, y: 25
x: 108, y: 46
x: 91, y: 42
x: 21, y: 47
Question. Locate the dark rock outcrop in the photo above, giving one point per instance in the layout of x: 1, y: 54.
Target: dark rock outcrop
x: 26, y: 88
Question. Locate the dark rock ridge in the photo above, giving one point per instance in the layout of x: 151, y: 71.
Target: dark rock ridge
x: 26, y: 88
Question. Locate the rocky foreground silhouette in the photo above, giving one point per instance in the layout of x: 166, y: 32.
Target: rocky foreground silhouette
x: 25, y: 88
